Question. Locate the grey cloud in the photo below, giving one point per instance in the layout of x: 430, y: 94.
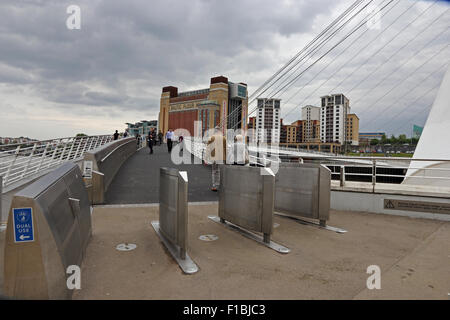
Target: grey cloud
x: 126, y: 51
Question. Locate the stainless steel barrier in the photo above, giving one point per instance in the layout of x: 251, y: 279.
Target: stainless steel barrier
x: 49, y: 226
x: 172, y: 226
x: 303, y: 190
x: 2, y: 219
x: 104, y: 163
x: 246, y: 201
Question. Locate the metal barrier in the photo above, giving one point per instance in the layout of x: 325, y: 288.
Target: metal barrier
x: 303, y: 190
x: 102, y: 164
x: 23, y: 162
x: 2, y: 219
x: 172, y: 226
x: 49, y: 226
x: 246, y: 200
x: 373, y: 169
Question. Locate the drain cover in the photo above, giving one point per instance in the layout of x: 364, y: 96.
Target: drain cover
x: 126, y: 246
x: 208, y: 237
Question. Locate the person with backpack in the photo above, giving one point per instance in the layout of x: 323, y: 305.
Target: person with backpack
x: 151, y: 140
x: 160, y: 137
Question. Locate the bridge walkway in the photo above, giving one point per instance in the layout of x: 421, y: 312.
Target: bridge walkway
x: 137, y: 181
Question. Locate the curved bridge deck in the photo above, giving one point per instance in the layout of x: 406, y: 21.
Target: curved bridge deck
x: 137, y: 181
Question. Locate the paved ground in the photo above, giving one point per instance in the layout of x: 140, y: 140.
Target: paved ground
x: 138, y: 179
x: 413, y: 254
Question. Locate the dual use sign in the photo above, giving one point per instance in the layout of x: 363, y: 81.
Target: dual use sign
x: 23, y: 225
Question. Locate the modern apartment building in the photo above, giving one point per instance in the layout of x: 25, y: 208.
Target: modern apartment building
x: 291, y: 134
x: 333, y: 117
x: 268, y: 122
x: 352, y: 128
x: 311, y: 123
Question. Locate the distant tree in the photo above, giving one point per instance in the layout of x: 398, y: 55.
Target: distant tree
x: 384, y: 139
x: 415, y: 141
x: 402, y: 139
x: 393, y: 140
x: 81, y: 135
x: 374, y: 142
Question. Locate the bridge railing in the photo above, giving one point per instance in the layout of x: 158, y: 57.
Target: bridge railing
x: 32, y: 159
x: 365, y: 169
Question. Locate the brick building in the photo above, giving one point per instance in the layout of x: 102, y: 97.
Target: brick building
x: 223, y: 104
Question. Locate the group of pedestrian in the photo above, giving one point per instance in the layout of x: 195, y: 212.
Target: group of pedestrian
x: 218, y: 151
x: 217, y: 143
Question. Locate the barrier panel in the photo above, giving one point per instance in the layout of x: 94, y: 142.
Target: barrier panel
x: 246, y: 200
x: 49, y: 226
x: 2, y: 219
x: 303, y: 190
x: 103, y: 164
x: 173, y: 216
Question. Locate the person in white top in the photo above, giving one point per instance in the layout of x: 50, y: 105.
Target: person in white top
x: 169, y: 138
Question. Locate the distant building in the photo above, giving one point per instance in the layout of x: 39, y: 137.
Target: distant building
x: 251, y: 123
x: 142, y: 127
x: 268, y: 122
x: 292, y: 134
x: 311, y: 123
x: 352, y: 127
x: 371, y: 135
x: 333, y: 116
x: 223, y: 104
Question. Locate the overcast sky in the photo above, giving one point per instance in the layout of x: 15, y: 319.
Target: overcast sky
x: 56, y: 82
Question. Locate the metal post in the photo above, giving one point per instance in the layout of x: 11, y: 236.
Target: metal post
x: 266, y: 238
x: 71, y: 148
x: 98, y: 193
x: 1, y: 196
x: 62, y: 153
x: 90, y: 146
x: 29, y: 161
x: 42, y: 157
x: 78, y: 148
x: 53, y: 156
x: 342, y: 175
x: 374, y: 174
x: 12, y: 163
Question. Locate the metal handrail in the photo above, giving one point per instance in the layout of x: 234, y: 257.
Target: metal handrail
x: 335, y: 160
x: 32, y: 159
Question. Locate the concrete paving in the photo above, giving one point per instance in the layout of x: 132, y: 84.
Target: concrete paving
x: 413, y: 255
x: 138, y: 179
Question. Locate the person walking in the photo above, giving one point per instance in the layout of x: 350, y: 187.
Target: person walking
x: 151, y: 140
x: 215, y: 154
x: 180, y: 140
x: 160, y: 137
x: 169, y: 137
x: 138, y: 140
x: 125, y: 134
x: 116, y: 135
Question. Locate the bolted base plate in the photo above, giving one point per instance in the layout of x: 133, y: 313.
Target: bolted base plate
x: 272, y: 245
x: 187, y: 265
x: 310, y: 223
